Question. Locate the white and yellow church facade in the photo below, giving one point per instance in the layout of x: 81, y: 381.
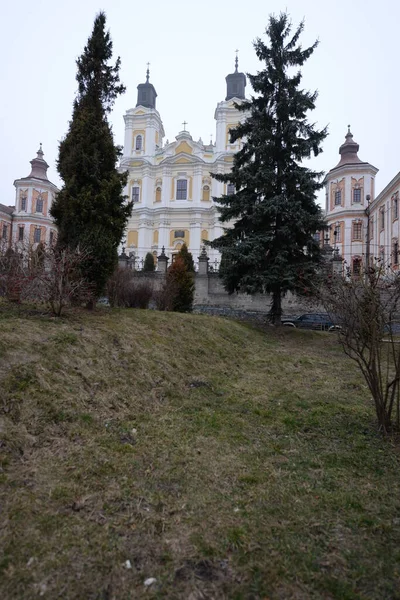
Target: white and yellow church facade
x: 170, y: 183
x: 172, y: 190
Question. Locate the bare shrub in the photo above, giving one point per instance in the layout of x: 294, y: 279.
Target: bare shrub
x: 118, y: 287
x: 366, y: 307
x: 44, y: 274
x: 127, y: 291
x: 164, y: 298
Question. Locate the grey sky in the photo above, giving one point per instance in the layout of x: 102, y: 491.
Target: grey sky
x: 190, y: 46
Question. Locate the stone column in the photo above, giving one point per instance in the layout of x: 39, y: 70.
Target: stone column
x: 203, y: 262
x: 162, y: 262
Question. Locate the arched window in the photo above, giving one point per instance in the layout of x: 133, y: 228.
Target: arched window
x: 39, y: 204
x: 181, y: 189
x: 37, y: 235
x: 135, y: 193
x: 338, y: 198
x: 158, y: 194
x: 139, y: 142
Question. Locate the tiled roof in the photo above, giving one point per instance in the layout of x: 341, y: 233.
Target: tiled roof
x: 7, y: 209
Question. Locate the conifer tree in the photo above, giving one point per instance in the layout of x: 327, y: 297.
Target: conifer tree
x: 187, y: 258
x: 271, y: 245
x: 149, y: 265
x: 180, y: 286
x: 90, y: 211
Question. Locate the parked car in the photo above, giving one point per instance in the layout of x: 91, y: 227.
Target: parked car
x: 319, y: 321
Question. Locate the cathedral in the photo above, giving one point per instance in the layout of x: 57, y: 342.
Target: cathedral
x: 172, y: 190
x: 170, y: 182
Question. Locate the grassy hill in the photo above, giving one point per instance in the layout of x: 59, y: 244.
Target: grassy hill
x: 222, y: 460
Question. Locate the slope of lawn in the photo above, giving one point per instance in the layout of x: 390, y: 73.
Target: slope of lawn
x: 222, y: 460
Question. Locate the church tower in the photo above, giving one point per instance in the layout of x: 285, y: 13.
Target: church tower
x: 144, y: 130
x: 32, y: 222
x: 226, y: 115
x: 347, y: 186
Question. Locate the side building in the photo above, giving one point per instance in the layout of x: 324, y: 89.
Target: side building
x: 170, y: 182
x: 351, y: 206
x: 29, y: 221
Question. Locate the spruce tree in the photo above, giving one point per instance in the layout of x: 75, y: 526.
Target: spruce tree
x: 271, y: 245
x: 90, y: 211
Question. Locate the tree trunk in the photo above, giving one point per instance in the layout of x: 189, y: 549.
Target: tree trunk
x: 275, y: 312
x: 91, y: 304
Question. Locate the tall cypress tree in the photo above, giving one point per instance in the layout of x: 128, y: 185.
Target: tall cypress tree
x: 271, y: 246
x: 90, y: 211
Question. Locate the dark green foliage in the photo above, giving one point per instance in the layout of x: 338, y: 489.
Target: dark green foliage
x: 180, y: 286
x: 187, y: 258
x: 149, y: 265
x: 90, y: 210
x: 271, y: 247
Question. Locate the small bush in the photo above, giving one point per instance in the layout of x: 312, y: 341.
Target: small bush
x: 118, y: 287
x: 149, y: 265
x: 126, y: 291
x: 179, y: 287
x: 139, y: 294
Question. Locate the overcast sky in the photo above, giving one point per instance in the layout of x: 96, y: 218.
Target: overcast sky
x: 191, y: 48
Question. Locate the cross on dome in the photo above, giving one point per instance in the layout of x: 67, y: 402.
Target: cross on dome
x: 184, y: 125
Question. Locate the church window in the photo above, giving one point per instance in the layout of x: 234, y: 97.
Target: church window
x: 20, y: 234
x: 139, y: 142
x: 338, y: 198
x: 357, y: 230
x: 23, y: 203
x: 51, y: 238
x: 206, y: 192
x: 39, y: 204
x: 395, y: 206
x: 230, y: 189
x: 179, y: 233
x: 5, y: 232
x: 181, y: 189
x: 395, y: 253
x: 135, y: 193
x: 382, y: 218
x: 37, y: 235
x: 158, y: 194
x: 337, y: 234
x: 357, y: 195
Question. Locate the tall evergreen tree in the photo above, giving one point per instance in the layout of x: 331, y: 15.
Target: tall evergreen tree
x: 187, y: 258
x: 271, y: 245
x: 90, y: 210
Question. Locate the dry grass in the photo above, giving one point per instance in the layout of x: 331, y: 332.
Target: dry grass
x: 255, y: 470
